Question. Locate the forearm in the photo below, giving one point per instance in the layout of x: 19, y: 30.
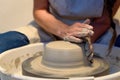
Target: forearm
x: 116, y: 6
x: 101, y: 25
x: 49, y: 23
x: 99, y: 30
x: 46, y: 20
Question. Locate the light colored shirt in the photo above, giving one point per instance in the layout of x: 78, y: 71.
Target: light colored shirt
x: 67, y: 11
x: 70, y: 11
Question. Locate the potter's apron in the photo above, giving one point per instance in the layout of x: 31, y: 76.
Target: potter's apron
x: 67, y: 11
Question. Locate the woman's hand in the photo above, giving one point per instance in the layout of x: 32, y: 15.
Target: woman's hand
x: 78, y: 31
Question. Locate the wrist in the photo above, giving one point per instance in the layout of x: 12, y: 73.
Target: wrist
x: 62, y: 33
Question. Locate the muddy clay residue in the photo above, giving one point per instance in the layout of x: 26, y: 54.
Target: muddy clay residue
x: 17, y: 62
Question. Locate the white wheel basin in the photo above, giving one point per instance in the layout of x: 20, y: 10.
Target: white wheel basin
x: 11, y: 60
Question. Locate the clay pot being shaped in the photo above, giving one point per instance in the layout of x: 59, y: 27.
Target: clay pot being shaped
x: 62, y: 59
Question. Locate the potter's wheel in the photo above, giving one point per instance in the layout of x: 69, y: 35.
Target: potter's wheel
x: 11, y: 71
x: 39, y: 67
x: 31, y: 67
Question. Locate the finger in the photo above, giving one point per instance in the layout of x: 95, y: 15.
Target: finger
x: 87, y: 31
x: 91, y: 32
x: 82, y: 33
x: 87, y: 26
x: 73, y: 39
x: 83, y: 25
x: 87, y: 21
x: 79, y: 34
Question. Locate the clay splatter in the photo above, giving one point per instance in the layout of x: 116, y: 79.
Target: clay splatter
x: 17, y: 62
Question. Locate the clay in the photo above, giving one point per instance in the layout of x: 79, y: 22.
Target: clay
x: 63, y: 59
x: 8, y: 59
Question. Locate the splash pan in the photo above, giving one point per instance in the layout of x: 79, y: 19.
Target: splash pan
x: 11, y: 61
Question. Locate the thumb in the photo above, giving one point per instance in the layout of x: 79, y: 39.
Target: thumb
x: 87, y: 21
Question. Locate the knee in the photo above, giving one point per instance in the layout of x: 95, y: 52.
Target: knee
x: 3, y: 47
x: 12, y: 39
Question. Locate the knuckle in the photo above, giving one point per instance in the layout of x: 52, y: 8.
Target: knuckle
x: 91, y: 32
x: 85, y: 30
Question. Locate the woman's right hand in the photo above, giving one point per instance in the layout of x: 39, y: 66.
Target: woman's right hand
x: 78, y: 31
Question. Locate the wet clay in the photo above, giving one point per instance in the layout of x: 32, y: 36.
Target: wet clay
x: 62, y: 60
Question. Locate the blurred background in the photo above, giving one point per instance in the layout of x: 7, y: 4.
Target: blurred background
x: 15, y: 13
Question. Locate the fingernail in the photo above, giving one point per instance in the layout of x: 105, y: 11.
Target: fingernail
x: 90, y: 27
x: 91, y: 33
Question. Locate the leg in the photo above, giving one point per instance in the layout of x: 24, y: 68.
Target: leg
x: 117, y: 43
x: 12, y: 39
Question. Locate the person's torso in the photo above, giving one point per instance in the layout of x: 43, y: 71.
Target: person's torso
x: 69, y: 11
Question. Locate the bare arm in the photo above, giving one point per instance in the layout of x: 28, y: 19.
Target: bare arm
x: 116, y: 6
x: 47, y: 21
x: 54, y: 26
x: 101, y: 25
